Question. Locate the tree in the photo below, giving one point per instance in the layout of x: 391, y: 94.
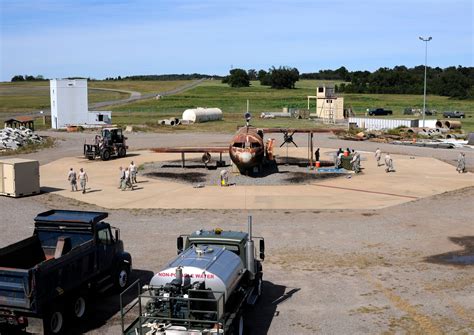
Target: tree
x: 237, y: 78
x: 252, y: 74
x: 18, y: 78
x: 264, y: 78
x: 284, y: 77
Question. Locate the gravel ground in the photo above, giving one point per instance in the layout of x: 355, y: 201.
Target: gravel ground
x: 197, y: 174
x: 405, y: 269
x: 328, y: 272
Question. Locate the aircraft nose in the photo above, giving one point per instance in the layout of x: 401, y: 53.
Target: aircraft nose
x: 245, y: 157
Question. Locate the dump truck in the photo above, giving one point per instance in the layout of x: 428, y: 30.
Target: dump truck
x: 53, y: 274
x: 204, y: 290
x: 110, y: 142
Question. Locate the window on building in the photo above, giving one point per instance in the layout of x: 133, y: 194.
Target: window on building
x: 320, y: 89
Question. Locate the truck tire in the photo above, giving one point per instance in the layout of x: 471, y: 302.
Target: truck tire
x: 122, y: 277
x: 54, y: 321
x: 105, y: 155
x: 259, y: 286
x: 79, y: 306
x: 122, y: 152
x: 239, y: 325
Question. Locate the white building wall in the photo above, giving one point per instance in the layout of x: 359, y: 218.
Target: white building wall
x: 69, y: 105
x: 379, y: 124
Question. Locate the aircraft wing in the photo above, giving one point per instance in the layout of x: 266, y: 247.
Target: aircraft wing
x: 297, y: 130
x: 191, y: 150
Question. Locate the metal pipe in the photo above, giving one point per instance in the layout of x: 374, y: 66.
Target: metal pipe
x: 250, y: 251
x: 250, y: 227
x: 426, y: 40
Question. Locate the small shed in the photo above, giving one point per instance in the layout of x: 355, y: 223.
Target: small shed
x: 19, y: 177
x: 17, y: 122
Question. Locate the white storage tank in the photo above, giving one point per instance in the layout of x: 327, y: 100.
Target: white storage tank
x: 19, y: 177
x: 218, y: 267
x: 197, y: 115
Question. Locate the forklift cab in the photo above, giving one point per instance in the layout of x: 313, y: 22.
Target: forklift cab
x: 112, y: 135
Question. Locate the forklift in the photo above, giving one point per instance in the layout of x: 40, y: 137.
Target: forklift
x: 111, y: 142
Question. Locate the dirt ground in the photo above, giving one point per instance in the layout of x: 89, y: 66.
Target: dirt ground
x: 402, y: 269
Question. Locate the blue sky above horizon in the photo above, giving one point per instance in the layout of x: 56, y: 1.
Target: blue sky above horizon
x: 101, y: 39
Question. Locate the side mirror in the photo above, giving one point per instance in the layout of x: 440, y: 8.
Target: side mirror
x: 179, y: 244
x: 262, y: 249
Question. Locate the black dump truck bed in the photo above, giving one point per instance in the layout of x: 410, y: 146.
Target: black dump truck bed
x: 69, y: 252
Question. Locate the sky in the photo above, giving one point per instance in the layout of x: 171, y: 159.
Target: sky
x: 98, y: 39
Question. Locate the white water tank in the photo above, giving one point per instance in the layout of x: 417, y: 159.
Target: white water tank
x: 219, y: 268
x: 197, y: 115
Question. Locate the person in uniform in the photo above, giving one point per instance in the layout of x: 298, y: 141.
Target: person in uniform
x: 389, y: 163
x: 72, y: 178
x: 461, y: 167
x: 83, y: 179
x: 378, y: 156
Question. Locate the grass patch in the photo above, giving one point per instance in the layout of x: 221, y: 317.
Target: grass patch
x: 22, y: 97
x: 48, y: 142
x: 233, y: 102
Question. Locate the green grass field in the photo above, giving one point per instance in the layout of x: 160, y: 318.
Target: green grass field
x: 233, y: 102
x: 21, y: 97
x: 28, y: 96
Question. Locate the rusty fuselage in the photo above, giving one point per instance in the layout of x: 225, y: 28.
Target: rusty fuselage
x: 246, y: 148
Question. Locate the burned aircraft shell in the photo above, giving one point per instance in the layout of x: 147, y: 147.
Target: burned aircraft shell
x: 247, y: 149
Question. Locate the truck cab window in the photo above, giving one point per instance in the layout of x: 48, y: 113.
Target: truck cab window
x: 104, y: 236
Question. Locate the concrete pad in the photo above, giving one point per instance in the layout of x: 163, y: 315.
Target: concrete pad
x: 374, y: 188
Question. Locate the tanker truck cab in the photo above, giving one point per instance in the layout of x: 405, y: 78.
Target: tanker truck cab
x: 204, y: 289
x: 231, y: 240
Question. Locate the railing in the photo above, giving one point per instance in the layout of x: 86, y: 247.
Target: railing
x: 123, y: 312
x: 191, y: 317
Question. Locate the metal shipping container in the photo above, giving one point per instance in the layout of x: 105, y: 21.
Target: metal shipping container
x: 19, y: 177
x: 379, y: 124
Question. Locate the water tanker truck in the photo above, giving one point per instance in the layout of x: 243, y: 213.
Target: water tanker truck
x: 204, y: 290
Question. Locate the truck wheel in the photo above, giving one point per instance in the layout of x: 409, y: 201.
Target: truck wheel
x: 79, y: 306
x: 105, y: 155
x: 259, y: 286
x: 122, y: 277
x: 122, y: 152
x: 54, y: 322
x: 239, y: 326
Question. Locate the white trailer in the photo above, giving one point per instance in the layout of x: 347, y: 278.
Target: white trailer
x: 19, y: 177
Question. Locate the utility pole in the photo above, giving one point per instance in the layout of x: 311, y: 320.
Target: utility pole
x: 426, y: 40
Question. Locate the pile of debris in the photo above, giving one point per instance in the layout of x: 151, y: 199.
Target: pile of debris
x: 14, y: 138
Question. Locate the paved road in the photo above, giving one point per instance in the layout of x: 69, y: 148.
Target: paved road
x: 134, y: 96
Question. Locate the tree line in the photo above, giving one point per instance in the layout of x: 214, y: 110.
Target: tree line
x: 455, y: 82
x: 279, y: 78
x: 166, y: 77
x: 28, y: 78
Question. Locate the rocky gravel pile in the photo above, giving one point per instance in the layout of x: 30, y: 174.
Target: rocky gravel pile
x: 14, y: 138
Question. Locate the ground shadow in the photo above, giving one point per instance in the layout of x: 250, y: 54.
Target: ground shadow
x: 303, y: 177
x: 463, y: 257
x: 47, y: 189
x: 107, y: 305
x: 190, y: 177
x: 301, y: 162
x: 92, y: 191
x: 259, y: 317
